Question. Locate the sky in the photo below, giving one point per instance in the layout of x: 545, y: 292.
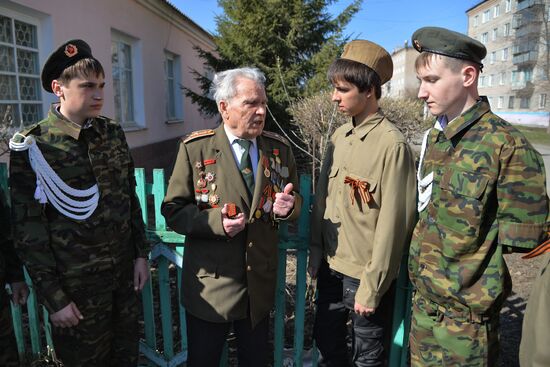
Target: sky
x: 387, y: 22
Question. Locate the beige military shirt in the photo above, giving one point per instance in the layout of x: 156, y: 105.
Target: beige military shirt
x: 366, y: 205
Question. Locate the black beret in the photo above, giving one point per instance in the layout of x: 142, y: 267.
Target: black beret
x: 66, y: 55
x: 448, y: 43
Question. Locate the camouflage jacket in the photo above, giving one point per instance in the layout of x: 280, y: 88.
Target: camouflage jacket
x: 489, y: 197
x: 64, y: 255
x: 11, y: 269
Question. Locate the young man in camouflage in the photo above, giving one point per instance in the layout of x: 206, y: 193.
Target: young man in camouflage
x: 77, y: 220
x: 482, y: 193
x: 363, y: 215
x: 11, y: 272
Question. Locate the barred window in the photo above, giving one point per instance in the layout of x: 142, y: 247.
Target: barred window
x: 20, y: 89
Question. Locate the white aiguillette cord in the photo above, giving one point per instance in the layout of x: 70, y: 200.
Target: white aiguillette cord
x: 50, y: 187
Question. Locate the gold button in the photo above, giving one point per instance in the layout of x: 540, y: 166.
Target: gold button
x: 249, y: 268
x: 250, y: 244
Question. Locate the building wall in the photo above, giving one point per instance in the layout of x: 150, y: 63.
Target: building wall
x: 513, y: 94
x: 153, y: 28
x: 404, y: 83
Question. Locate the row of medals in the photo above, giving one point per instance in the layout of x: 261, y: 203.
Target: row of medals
x: 273, y: 170
x: 278, y: 175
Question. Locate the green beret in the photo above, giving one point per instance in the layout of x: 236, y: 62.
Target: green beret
x: 66, y: 55
x: 370, y: 54
x: 448, y: 43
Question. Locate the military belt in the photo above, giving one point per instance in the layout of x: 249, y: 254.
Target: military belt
x: 466, y: 316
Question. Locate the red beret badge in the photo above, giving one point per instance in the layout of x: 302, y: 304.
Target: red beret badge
x: 71, y: 50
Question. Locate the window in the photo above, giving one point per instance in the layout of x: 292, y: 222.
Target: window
x: 502, y: 78
x: 486, y: 16
x: 511, y: 102
x: 528, y: 75
x: 542, y: 100
x: 20, y: 88
x: 505, y: 54
x: 524, y: 102
x: 127, y: 85
x: 508, y: 5
x: 493, y: 57
x: 500, y: 102
x: 484, y: 37
x: 494, y: 34
x: 476, y: 20
x: 490, y: 80
x: 482, y: 81
x: 496, y: 12
x: 506, y: 29
x: 173, y: 91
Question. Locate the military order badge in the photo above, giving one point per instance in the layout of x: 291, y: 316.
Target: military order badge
x: 71, y: 50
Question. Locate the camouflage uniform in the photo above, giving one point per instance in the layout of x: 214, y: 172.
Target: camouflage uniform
x: 11, y: 271
x: 489, y: 198
x: 89, y: 262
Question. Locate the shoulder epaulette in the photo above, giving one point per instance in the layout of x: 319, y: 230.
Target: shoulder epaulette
x: 198, y: 134
x: 272, y: 135
x: 107, y: 120
x: 26, y: 132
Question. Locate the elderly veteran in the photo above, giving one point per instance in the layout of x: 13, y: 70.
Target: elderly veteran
x: 482, y: 193
x: 363, y: 215
x: 230, y: 188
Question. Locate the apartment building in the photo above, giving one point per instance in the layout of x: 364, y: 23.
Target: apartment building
x: 146, y: 48
x: 515, y: 76
x: 404, y: 83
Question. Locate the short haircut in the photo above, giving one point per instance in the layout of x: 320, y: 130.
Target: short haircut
x: 360, y: 75
x: 82, y: 68
x: 224, y: 86
x: 425, y: 59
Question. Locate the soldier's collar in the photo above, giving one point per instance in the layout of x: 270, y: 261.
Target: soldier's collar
x: 362, y: 128
x: 467, y: 118
x: 67, y: 126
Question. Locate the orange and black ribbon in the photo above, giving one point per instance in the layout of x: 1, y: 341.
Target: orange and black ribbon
x: 360, y: 186
x: 539, y: 250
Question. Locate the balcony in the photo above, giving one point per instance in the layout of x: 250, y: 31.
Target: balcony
x: 529, y: 3
x: 525, y: 58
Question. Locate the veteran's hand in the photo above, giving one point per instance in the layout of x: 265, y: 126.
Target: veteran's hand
x: 19, y: 292
x: 68, y: 316
x: 284, y: 201
x: 234, y: 225
x: 362, y: 310
x: 141, y: 273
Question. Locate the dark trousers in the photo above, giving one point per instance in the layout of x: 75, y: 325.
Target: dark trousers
x: 8, y: 345
x: 370, y: 334
x: 205, y: 341
x: 108, y: 334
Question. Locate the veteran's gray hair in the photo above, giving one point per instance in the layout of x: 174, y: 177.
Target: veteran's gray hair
x: 224, y: 86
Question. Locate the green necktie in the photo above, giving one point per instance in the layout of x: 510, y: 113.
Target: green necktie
x: 246, y: 165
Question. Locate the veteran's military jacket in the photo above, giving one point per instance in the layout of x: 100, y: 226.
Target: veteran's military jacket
x: 223, y: 277
x: 11, y: 269
x: 64, y: 255
x: 365, y: 240
x: 488, y: 198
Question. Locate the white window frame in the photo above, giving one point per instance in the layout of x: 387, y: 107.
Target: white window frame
x: 476, y: 20
x: 496, y: 12
x: 484, y: 37
x: 508, y: 6
x: 506, y: 29
x: 174, y: 95
x: 137, y: 121
x: 486, y: 16
x: 505, y: 54
x: 502, y: 78
x: 511, y: 102
x: 542, y: 100
x: 493, y: 57
x: 500, y: 102
x: 524, y: 102
x: 43, y: 106
x: 490, y: 80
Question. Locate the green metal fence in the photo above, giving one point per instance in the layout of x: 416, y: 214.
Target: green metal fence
x: 161, y: 295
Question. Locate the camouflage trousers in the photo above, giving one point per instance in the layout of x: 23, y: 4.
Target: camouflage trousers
x: 108, y: 334
x: 443, y: 338
x: 8, y: 345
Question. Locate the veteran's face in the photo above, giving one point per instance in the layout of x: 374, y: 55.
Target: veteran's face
x: 442, y: 89
x: 245, y: 113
